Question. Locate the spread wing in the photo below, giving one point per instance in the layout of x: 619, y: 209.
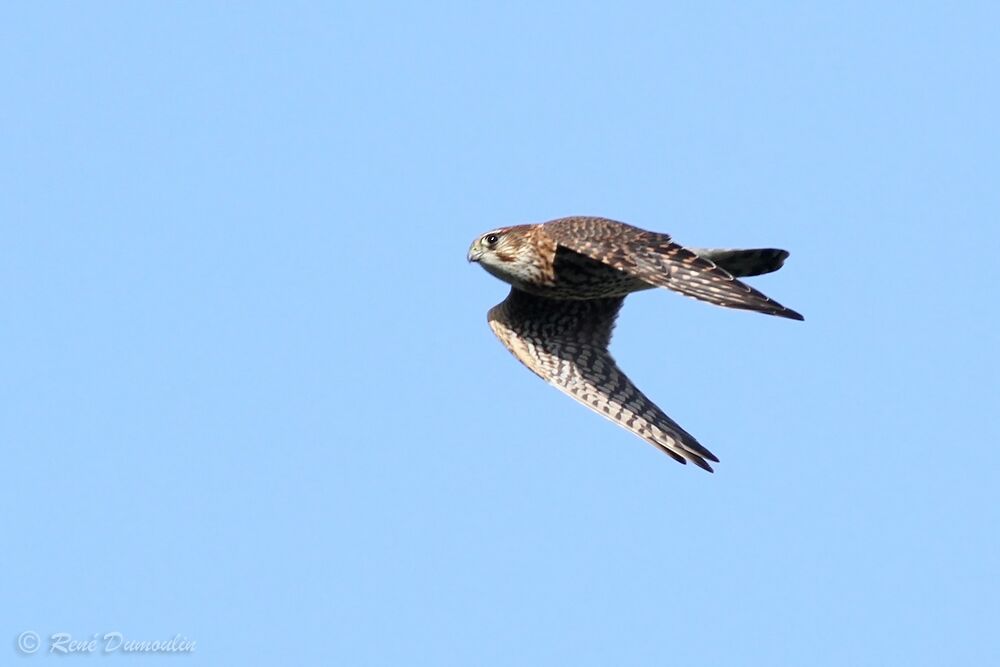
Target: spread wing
x: 657, y: 260
x: 565, y: 342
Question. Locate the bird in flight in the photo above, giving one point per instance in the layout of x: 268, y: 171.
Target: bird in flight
x: 569, y: 278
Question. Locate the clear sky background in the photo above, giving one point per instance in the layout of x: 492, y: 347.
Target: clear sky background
x: 249, y: 395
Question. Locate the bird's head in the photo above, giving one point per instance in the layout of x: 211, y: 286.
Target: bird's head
x: 507, y: 253
x: 496, y: 247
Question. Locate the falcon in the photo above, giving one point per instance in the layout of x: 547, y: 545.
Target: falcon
x: 569, y: 278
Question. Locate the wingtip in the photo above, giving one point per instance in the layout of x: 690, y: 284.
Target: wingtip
x: 701, y: 463
x: 792, y: 315
x: 781, y: 311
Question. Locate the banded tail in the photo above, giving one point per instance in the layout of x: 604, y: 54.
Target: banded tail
x: 743, y: 263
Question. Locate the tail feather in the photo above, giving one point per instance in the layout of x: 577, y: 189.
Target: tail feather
x: 682, y: 270
x: 743, y: 263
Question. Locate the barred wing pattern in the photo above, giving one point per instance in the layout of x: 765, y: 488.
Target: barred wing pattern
x: 565, y: 342
x: 656, y: 260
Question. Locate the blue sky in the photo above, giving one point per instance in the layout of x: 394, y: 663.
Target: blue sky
x: 250, y: 398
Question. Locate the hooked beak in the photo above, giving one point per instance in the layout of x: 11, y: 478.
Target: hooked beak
x: 474, y: 253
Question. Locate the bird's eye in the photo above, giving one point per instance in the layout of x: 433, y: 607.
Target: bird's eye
x: 491, y: 239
